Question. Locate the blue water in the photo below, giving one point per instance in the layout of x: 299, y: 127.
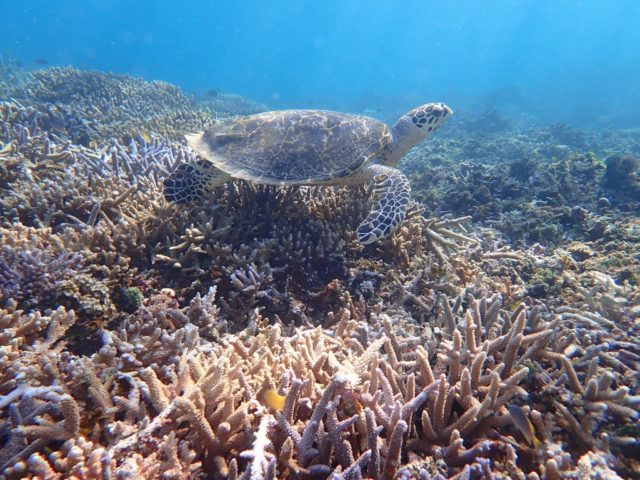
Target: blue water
x: 553, y: 60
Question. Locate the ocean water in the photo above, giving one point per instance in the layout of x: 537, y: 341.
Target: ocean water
x: 570, y: 61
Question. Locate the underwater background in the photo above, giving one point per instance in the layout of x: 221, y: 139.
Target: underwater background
x: 249, y: 333
x: 558, y: 61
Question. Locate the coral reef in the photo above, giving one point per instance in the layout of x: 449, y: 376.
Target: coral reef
x: 358, y: 397
x: 12, y: 76
x: 526, y: 184
x: 95, y: 106
x: 622, y: 176
x: 91, y: 108
x: 495, y: 334
x: 35, y: 276
x: 229, y: 104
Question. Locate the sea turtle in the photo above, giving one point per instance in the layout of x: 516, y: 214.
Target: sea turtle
x: 311, y: 147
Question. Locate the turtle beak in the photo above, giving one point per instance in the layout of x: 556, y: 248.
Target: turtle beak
x: 442, y: 110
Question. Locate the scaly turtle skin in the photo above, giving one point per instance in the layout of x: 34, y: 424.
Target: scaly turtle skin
x: 311, y: 147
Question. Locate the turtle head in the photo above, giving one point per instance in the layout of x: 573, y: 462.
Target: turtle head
x: 415, y: 126
x: 428, y: 118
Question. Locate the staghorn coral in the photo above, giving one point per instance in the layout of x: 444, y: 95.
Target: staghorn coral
x: 343, y: 388
x: 406, y: 359
x: 58, y: 182
x: 35, y: 276
x: 311, y: 357
x: 91, y: 107
x: 41, y: 269
x: 107, y: 105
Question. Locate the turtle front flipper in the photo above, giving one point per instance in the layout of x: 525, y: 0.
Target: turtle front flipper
x: 192, y: 181
x: 392, y: 193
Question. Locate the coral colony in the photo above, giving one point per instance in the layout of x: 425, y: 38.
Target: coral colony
x: 495, y: 334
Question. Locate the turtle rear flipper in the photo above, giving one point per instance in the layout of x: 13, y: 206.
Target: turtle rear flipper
x: 190, y: 182
x: 392, y: 192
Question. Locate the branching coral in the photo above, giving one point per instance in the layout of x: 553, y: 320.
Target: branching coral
x: 260, y: 341
x: 357, y: 398
x: 35, y: 276
x: 109, y: 106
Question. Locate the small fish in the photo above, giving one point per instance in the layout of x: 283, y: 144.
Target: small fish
x: 146, y: 136
x: 212, y: 93
x: 357, y: 405
x: 274, y: 400
x: 42, y: 61
x: 523, y: 424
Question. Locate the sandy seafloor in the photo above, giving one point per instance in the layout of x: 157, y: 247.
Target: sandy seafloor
x: 494, y: 335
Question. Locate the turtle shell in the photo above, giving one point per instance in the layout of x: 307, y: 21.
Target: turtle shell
x: 290, y: 147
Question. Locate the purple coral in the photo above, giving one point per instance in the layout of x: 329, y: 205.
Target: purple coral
x: 34, y: 275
